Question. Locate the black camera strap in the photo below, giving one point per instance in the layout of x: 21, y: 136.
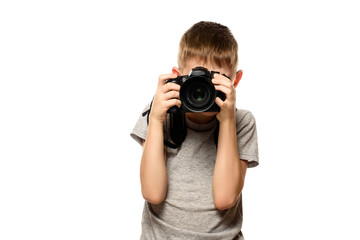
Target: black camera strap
x: 216, y: 134
x: 178, y: 129
x: 147, y: 112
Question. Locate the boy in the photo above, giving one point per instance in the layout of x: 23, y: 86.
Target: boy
x: 194, y: 191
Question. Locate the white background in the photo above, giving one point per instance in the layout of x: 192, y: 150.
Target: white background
x: 75, y: 76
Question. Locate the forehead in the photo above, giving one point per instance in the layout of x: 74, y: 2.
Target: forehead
x: 190, y: 64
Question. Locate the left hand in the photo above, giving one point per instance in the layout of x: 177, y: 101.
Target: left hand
x: 227, y: 107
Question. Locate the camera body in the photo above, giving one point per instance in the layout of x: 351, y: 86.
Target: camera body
x: 197, y: 92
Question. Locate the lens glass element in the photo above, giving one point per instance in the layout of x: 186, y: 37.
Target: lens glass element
x: 199, y: 93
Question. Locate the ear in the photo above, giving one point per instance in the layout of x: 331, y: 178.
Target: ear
x: 176, y: 71
x: 238, y: 77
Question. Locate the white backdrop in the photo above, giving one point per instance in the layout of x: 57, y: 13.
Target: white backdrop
x: 75, y: 76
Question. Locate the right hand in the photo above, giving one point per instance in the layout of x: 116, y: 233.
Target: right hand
x: 166, y: 96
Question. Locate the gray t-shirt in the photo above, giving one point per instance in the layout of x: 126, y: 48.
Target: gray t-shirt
x: 188, y: 211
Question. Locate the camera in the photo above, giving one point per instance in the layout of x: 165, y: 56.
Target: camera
x: 197, y: 92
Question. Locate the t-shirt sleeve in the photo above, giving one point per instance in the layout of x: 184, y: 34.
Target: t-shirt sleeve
x: 247, y: 137
x: 139, y: 131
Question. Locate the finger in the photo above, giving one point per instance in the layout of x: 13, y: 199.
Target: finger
x: 170, y: 87
x: 164, y: 77
x: 222, y: 80
x: 224, y: 89
x: 173, y: 102
x: 171, y: 94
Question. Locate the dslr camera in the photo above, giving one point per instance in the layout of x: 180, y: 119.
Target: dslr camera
x: 197, y: 92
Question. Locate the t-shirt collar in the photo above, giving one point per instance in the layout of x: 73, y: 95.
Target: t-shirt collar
x: 201, y: 127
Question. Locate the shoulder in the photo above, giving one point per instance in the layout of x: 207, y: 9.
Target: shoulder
x: 139, y: 131
x: 244, y: 117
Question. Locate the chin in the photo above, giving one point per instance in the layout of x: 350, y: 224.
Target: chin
x: 204, y: 114
x: 208, y: 114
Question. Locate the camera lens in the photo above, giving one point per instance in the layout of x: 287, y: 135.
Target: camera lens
x: 197, y: 94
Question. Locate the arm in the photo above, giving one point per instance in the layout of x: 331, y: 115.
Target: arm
x: 153, y: 175
x: 229, y: 171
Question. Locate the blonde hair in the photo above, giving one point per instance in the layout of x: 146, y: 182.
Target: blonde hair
x: 209, y: 42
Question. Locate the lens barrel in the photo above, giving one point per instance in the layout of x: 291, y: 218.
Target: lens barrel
x: 197, y: 94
